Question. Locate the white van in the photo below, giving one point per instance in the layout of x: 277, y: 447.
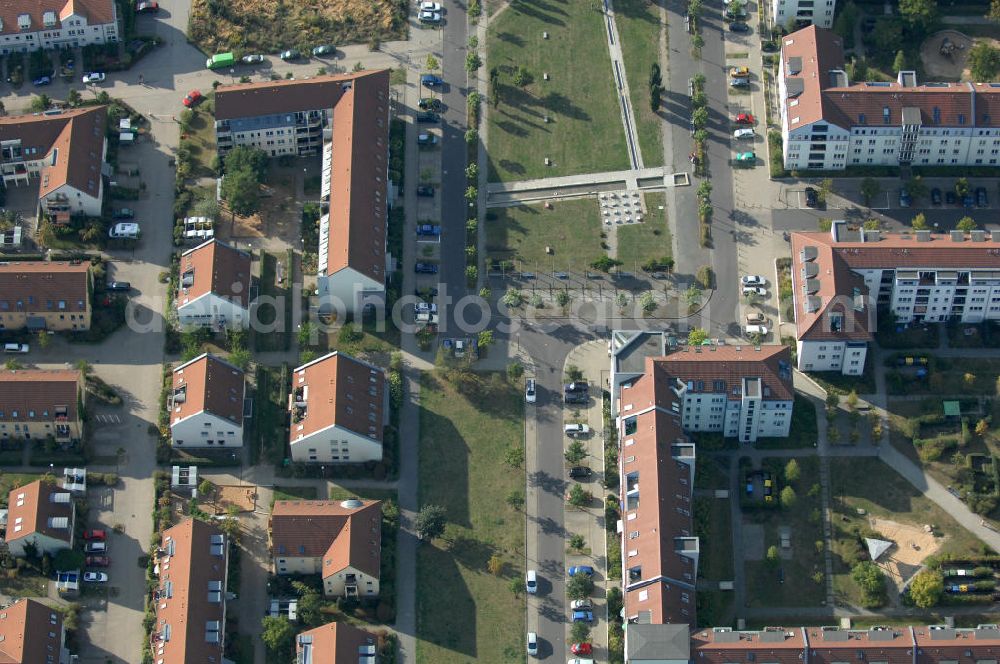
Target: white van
x: 574, y: 430
x: 756, y: 329
x: 531, y: 582
x: 15, y: 348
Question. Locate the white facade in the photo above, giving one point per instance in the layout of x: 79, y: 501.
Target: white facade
x: 206, y: 429
x: 748, y: 418
x: 817, y: 12
x: 347, y: 288
x: 335, y: 585
x: 335, y: 444
x: 71, y: 200
x: 71, y: 32
x: 847, y: 357
x: 211, y: 310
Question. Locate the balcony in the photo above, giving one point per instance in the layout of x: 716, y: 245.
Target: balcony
x: 62, y: 432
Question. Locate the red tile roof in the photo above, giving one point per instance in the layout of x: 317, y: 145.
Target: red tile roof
x: 817, y: 51
x: 333, y: 643
x: 38, y: 391
x: 185, y: 575
x: 215, y: 267
x: 95, y: 11
x: 724, y: 645
x: 940, y: 644
x: 730, y: 364
x: 29, y: 632
x: 893, y: 645
x: 343, y: 534
x: 39, y: 286
x: 835, y: 285
x: 340, y: 391
x: 210, y: 385
x: 36, y: 504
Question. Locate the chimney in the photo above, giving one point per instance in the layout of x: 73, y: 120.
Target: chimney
x: 957, y: 236
x: 995, y: 235
x: 837, y: 227
x: 923, y: 236
x: 977, y: 236
x: 870, y: 236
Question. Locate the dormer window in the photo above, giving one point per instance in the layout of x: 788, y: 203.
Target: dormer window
x: 24, y: 21
x: 49, y: 19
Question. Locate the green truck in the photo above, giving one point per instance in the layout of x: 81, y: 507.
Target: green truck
x: 220, y: 60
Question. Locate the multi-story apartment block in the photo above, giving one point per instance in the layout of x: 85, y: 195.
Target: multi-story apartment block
x: 214, y: 288
x: 45, y: 295
x: 26, y: 27
x: 828, y: 123
x: 345, y: 118
x: 36, y: 404
x: 817, y: 12
x: 339, y: 406
x: 40, y: 514
x: 841, y: 278
x: 190, y: 600
x: 342, y: 541
x: 33, y: 633
x: 206, y: 404
x: 336, y: 643
x: 741, y: 392
x: 62, y: 153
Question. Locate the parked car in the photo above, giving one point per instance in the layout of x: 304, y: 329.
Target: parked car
x: 585, y: 570
x: 739, y: 26
x: 583, y: 616
x: 935, y: 196
x: 746, y: 157
x: 428, y: 117
x: 147, y: 7
x: 430, y: 6
x: 953, y: 491
x: 122, y: 213
x: 529, y: 390
x: 740, y: 72
x: 425, y: 268
x: 812, y: 197
x: 94, y: 77
x: 754, y: 290
x: 425, y: 190
x: 192, y: 98
x: 427, y: 138
x: 531, y: 582
x: 577, y: 386
x: 739, y: 82
x: 15, y: 348
x: 532, y: 643
x: 579, y: 472
x: 581, y: 649
x: 42, y: 80
x: 429, y: 104
x: 752, y: 280
x: 124, y: 229
x: 904, y: 198
x: 97, y: 561
x: 575, y: 397
x: 95, y: 535
x: 745, y: 118
x: 252, y: 59
x: 751, y: 330
x: 431, y: 81
x: 576, y: 430
x: 432, y: 18
x: 950, y: 198
x: 290, y: 54
x: 95, y: 547
x: 981, y: 199
x: 95, y: 577
x: 756, y: 318
x: 118, y: 286
x: 324, y: 49
x: 736, y: 12
x: 428, y: 230
x: 581, y: 604
x: 744, y: 134
x: 577, y: 660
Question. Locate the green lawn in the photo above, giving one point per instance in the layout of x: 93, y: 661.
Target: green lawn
x: 295, y: 493
x: 340, y: 493
x: 465, y: 614
x: 638, y: 243
x: 584, y: 133
x: 639, y: 25
x: 25, y: 584
x: 712, y: 524
x: 799, y: 588
x: 803, y: 431
x: 571, y: 228
x: 277, y: 339
x: 269, y: 434
x: 201, y: 139
x: 10, y: 481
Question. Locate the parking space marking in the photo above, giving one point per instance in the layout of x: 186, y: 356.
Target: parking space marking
x: 109, y: 419
x: 887, y: 205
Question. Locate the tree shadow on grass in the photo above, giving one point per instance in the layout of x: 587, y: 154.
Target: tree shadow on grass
x: 511, y: 38
x: 539, y: 9
x: 449, y: 624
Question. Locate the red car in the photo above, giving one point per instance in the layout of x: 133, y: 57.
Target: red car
x: 581, y: 649
x: 192, y: 98
x: 95, y: 535
x: 147, y: 6
x: 745, y: 118
x: 98, y: 561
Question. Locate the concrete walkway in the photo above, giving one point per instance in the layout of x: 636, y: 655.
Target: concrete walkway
x: 627, y: 178
x: 624, y: 104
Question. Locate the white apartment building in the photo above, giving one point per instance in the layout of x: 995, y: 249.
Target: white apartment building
x: 841, y: 278
x: 818, y: 12
x: 214, y: 287
x: 206, y: 404
x: 827, y: 123
x: 48, y: 24
x: 345, y: 119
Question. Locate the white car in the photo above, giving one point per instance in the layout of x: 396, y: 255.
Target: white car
x: 754, y: 290
x: 529, y: 390
x: 577, y: 660
x: 126, y: 229
x: 531, y: 581
x: 753, y: 280
x: 95, y: 577
x: 532, y: 643
x: 430, y: 17
x: 94, y: 77
x: 745, y: 133
x: 430, y: 6
x: 253, y: 59
x: 581, y: 604
x: 756, y: 329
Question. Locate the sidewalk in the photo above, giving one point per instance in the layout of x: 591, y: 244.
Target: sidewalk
x: 592, y: 359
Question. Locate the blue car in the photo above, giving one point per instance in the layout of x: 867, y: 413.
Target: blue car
x: 432, y: 230
x: 904, y: 198
x: 583, y: 616
x: 44, y: 80
x: 431, y: 81
x: 585, y: 570
x: 425, y: 268
x: 968, y: 201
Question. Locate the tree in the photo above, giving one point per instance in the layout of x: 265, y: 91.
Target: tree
x: 962, y: 187
x: 887, y: 35
x: 918, y: 14
x: 984, y: 62
x: 792, y: 471
x: 471, y: 194
x: 73, y: 98
x: 852, y: 399
x: 772, y: 554
x: 926, y: 588
x: 982, y: 426
x: 899, y: 64
x: 310, y: 604
x: 495, y: 565
x: 241, y: 191
x: 872, y: 224
x: 870, y: 188
x: 692, y: 296
x: 473, y: 61
x: 969, y: 379
x: 278, y: 635
x: 919, y: 222
x: 40, y: 103
x: 206, y: 488
x: 825, y: 189
x: 655, y: 93
x: 698, y: 41
x: 486, y: 338
x: 576, y: 452
x: 704, y: 190
x: 577, y: 542
x: 471, y: 172
x: 788, y: 497
x: 579, y: 586
x: 966, y: 224
x: 522, y: 77
x: 206, y: 207
x: 579, y: 632
x: 430, y: 522
x: 697, y: 336
x: 605, y: 263
x: 699, y: 117
x: 516, y: 586
x: 994, y: 12
x: 246, y: 158
x: 647, y: 302
x: 916, y: 187
x: 871, y: 580
x: 471, y: 136
x: 579, y: 497
x: 43, y: 339
x: 432, y: 63
x: 515, y: 498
